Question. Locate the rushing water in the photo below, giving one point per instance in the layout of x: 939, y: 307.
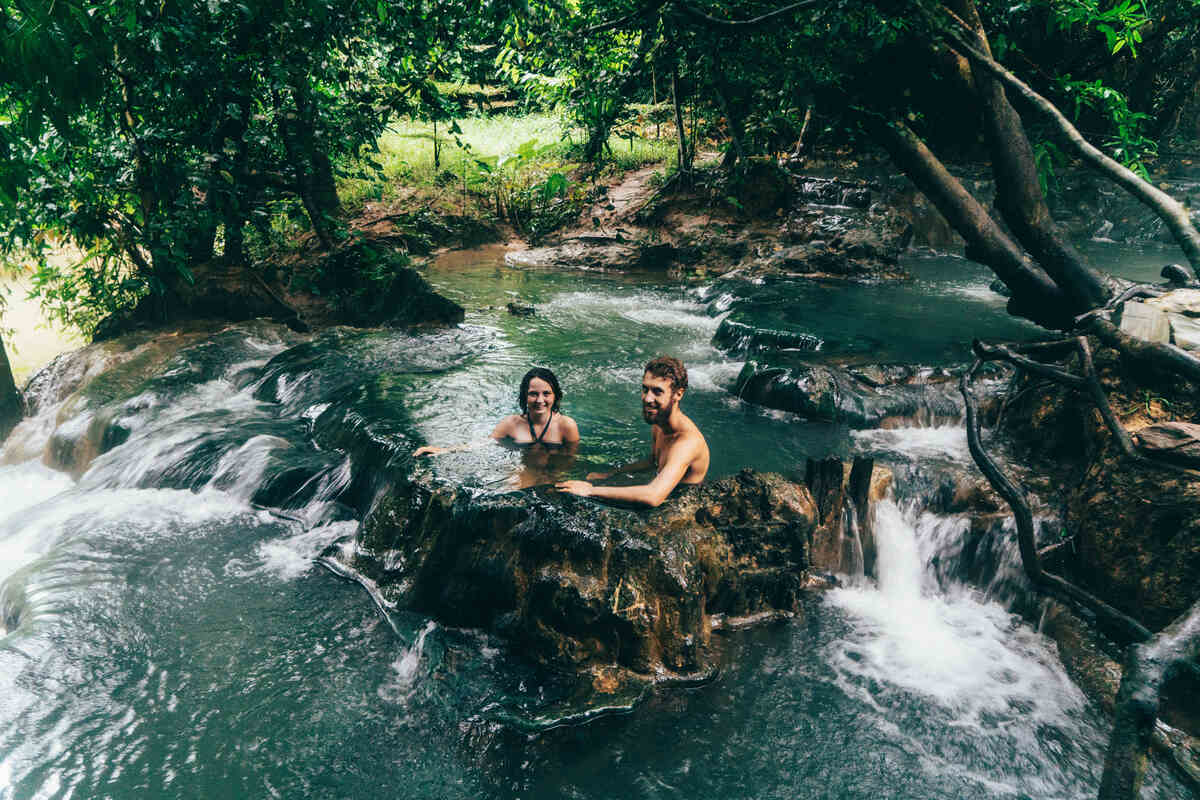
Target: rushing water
x: 168, y: 637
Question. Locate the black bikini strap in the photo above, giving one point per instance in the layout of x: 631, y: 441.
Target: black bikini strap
x: 537, y: 437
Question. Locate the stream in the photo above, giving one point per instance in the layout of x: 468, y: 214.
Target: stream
x: 170, y: 633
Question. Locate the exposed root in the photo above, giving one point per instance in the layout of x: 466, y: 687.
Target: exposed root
x: 1153, y: 659
x: 1148, y: 668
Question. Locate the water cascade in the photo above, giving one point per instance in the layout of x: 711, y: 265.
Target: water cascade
x: 168, y: 629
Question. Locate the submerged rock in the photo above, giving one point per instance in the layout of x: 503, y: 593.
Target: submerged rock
x: 580, y: 586
x: 737, y: 337
x: 861, y: 397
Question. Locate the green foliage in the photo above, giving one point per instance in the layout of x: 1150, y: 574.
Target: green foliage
x: 1049, y: 159
x: 153, y: 136
x: 1121, y: 24
x: 1128, y: 144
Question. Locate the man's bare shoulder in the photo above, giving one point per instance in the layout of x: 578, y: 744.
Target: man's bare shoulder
x: 692, y: 432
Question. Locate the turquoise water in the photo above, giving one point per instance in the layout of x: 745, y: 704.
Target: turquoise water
x: 169, y: 638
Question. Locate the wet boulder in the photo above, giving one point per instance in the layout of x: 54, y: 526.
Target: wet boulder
x: 742, y: 338
x: 861, y: 397
x: 841, y: 241
x: 581, y: 586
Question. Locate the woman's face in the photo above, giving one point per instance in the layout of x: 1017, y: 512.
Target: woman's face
x: 539, y: 398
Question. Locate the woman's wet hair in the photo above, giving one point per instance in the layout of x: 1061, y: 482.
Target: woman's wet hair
x: 548, y: 377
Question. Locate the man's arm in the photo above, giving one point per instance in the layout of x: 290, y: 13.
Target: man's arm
x: 651, y: 494
x: 636, y: 466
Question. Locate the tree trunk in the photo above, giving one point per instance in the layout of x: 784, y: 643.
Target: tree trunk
x: 598, y: 135
x: 1034, y: 295
x: 685, y: 153
x: 1018, y: 190
x: 1148, y: 667
x: 315, y: 180
x: 1173, y: 214
x: 737, y: 147
x: 12, y: 409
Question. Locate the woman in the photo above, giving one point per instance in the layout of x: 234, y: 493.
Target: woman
x: 540, y: 421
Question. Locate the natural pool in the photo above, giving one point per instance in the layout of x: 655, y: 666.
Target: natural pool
x: 169, y: 638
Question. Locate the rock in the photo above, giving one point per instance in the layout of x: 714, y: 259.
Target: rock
x: 521, y: 309
x: 1145, y: 322
x: 581, y: 586
x: 1178, y: 301
x: 1000, y: 287
x: 402, y: 298
x: 1096, y: 673
x: 761, y: 187
x: 1182, y: 309
x: 1176, y: 273
x: 1178, y: 442
x: 582, y: 252
x: 846, y: 243
x: 1185, y: 331
x: 738, y: 337
x: 861, y: 398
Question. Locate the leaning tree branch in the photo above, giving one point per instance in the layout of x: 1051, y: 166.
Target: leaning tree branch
x: 644, y: 11
x: 742, y: 24
x: 1129, y: 628
x: 1173, y: 214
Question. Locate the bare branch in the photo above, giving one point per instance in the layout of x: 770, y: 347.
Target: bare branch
x: 742, y: 24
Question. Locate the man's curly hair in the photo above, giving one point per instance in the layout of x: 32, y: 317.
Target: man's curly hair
x: 670, y: 368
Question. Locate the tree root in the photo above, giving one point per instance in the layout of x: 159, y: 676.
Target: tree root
x: 1148, y: 668
x: 1153, y: 659
x: 1130, y: 628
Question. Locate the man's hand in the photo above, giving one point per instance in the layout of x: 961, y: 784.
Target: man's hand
x: 430, y: 451
x: 599, y: 476
x: 581, y: 488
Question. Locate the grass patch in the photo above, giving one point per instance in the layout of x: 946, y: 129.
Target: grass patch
x: 521, y: 149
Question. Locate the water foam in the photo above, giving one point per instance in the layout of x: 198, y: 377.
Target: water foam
x: 983, y: 668
x: 945, y: 442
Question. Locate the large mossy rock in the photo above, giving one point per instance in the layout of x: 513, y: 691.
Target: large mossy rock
x: 576, y: 585
x: 367, y: 285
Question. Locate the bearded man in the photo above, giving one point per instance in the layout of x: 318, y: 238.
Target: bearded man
x: 678, y: 451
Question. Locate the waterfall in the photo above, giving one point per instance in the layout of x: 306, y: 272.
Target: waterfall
x: 918, y: 636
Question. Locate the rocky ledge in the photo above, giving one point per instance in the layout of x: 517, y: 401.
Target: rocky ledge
x: 768, y: 222
x: 619, y: 596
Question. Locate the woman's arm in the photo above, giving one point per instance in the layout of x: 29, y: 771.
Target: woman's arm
x: 501, y: 431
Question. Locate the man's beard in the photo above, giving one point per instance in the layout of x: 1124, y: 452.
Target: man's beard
x: 661, y: 415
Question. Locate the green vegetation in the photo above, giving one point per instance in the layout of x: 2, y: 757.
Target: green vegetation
x: 525, y: 170
x: 169, y: 141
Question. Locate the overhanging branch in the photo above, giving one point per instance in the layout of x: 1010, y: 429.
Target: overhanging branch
x: 742, y: 24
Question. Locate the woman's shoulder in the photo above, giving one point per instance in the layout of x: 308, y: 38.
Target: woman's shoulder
x: 567, y: 425
x: 507, y: 425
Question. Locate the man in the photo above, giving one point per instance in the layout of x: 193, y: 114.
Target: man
x: 678, y: 450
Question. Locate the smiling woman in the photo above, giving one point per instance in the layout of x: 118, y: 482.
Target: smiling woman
x: 539, y: 423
